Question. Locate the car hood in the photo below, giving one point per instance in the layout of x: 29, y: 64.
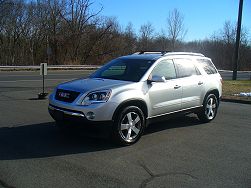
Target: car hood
x: 91, y: 84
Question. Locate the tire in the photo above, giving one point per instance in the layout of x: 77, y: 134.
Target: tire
x: 128, y: 126
x: 209, y: 109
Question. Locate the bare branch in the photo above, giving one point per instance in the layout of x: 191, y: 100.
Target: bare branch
x: 176, y: 28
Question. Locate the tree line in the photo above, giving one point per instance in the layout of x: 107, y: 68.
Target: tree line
x: 72, y: 32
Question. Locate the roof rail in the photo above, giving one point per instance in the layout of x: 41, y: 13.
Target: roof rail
x: 184, y: 53
x: 150, y: 52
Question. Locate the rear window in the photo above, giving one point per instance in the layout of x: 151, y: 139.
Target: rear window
x: 208, y: 66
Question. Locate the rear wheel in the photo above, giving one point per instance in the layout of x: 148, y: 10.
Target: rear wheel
x: 129, y: 125
x: 209, y: 109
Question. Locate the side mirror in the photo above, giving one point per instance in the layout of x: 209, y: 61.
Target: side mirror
x: 156, y: 78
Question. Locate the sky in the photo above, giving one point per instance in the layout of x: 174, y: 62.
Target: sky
x: 201, y: 17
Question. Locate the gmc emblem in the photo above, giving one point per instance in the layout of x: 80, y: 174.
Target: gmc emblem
x: 64, y: 95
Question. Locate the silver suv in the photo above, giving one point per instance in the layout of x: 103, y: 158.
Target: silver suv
x: 131, y: 91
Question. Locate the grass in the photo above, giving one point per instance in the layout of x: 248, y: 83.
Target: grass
x: 233, y: 87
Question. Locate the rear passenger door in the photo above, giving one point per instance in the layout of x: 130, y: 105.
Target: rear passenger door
x: 192, y: 83
x: 165, y: 97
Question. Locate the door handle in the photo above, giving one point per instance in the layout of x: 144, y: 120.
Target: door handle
x: 177, y: 87
x: 200, y: 83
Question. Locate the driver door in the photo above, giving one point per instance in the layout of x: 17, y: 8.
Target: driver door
x: 165, y: 97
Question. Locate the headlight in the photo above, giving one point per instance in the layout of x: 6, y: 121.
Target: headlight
x: 96, y: 97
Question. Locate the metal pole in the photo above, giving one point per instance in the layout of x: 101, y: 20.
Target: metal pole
x: 237, y: 42
x: 43, y: 76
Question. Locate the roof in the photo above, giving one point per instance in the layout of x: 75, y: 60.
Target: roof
x: 143, y: 56
x: 184, y: 53
x: 154, y: 55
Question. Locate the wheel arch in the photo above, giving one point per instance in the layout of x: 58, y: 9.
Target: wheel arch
x: 203, y: 114
x: 131, y: 102
x: 213, y: 91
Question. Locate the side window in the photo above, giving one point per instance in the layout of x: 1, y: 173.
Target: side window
x: 207, y: 66
x: 165, y: 68
x: 185, y: 68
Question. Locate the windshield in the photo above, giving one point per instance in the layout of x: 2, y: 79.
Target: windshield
x: 123, y: 69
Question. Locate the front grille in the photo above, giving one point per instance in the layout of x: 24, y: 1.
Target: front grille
x: 66, y: 95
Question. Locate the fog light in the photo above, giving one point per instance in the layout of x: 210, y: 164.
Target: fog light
x: 90, y: 115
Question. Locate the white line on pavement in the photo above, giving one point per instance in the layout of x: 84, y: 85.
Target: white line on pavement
x: 14, y: 81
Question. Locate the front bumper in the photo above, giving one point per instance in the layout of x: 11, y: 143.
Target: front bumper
x: 62, y: 114
x: 72, y: 113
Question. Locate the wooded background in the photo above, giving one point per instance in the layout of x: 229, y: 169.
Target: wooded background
x: 62, y: 32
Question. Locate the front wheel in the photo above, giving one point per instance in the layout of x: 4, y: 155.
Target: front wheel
x: 209, y: 109
x: 129, y: 125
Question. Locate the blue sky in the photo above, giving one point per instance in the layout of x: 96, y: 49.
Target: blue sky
x: 201, y: 17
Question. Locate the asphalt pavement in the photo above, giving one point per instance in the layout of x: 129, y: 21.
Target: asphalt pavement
x: 176, y: 153
x: 241, y: 75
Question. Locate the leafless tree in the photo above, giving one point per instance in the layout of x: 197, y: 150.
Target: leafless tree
x: 146, y: 35
x: 162, y: 42
x: 175, y: 27
x: 101, y: 40
x: 14, y: 28
x: 228, y: 32
x: 130, y: 39
x: 79, y: 22
x: 70, y: 32
x: 225, y: 40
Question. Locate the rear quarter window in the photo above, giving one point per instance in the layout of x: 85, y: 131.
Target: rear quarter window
x: 208, y: 66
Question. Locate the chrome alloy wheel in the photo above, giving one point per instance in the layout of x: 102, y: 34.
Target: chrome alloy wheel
x: 130, y: 126
x: 211, y: 108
